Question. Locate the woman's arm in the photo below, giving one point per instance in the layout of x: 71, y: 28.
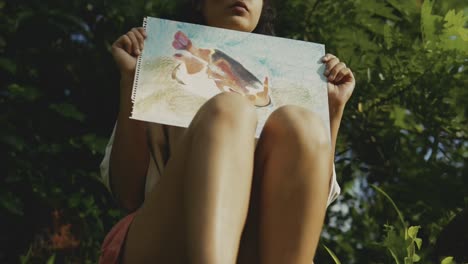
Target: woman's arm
x: 341, y: 83
x: 335, y: 121
x: 129, y: 157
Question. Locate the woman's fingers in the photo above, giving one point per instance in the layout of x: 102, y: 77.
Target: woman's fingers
x: 342, y: 74
x: 132, y: 42
x: 330, y: 64
x: 125, y: 43
x: 335, y: 70
x: 142, y: 31
x: 135, y: 44
x: 328, y: 57
x: 126, y: 48
x: 139, y: 36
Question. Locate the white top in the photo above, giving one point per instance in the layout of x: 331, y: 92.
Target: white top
x: 162, y: 141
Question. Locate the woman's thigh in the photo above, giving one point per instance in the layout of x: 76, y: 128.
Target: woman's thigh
x: 290, y: 118
x: 249, y: 246
x: 157, y: 231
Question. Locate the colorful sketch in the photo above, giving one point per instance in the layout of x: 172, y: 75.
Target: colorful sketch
x: 183, y: 65
x: 227, y: 74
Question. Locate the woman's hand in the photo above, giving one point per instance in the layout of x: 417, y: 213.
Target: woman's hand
x: 126, y: 49
x: 341, y: 82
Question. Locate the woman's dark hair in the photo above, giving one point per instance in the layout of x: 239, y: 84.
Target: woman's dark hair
x: 191, y: 13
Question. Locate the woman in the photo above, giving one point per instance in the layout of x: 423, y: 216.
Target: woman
x: 222, y: 199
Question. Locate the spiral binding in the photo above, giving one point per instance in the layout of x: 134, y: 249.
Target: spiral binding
x: 138, y: 68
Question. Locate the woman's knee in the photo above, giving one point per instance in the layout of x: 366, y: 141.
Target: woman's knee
x: 303, y: 135
x: 227, y: 110
x: 298, y: 127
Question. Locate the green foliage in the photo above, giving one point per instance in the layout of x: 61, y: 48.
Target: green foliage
x: 51, y: 260
x: 401, y: 243
x: 447, y: 260
x: 68, y: 111
x: 53, y: 62
x: 452, y: 35
x: 405, y: 128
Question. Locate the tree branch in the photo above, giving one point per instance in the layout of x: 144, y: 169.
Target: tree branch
x: 400, y: 92
x: 342, y: 152
x: 314, y: 6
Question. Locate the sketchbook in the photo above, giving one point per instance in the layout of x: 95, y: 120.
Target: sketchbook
x: 183, y: 65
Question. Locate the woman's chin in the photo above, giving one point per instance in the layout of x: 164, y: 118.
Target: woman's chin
x: 236, y: 23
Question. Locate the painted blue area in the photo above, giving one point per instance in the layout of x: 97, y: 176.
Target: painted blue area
x: 262, y: 55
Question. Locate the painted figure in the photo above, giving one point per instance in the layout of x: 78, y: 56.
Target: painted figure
x: 227, y: 74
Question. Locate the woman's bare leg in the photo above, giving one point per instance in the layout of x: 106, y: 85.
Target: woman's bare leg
x: 293, y: 168
x: 197, y: 211
x: 218, y: 189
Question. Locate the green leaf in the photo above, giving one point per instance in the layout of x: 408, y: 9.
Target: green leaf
x: 455, y: 34
x: 8, y: 65
x: 74, y: 200
x: 27, y: 93
x: 398, y: 115
x: 394, y: 256
x: 88, y: 202
x: 428, y: 22
x: 413, y: 231
x: 418, y: 242
x: 68, y: 110
x: 14, y: 141
x: 394, y: 242
x: 447, y: 260
x: 97, y: 145
x: 11, y: 203
x: 27, y: 258
x: 380, y: 9
x: 114, y: 213
x: 408, y: 260
x: 400, y: 215
x: 334, y: 257
x: 408, y: 8
x: 404, y: 119
x: 51, y: 260
x: 388, y: 36
x: 454, y: 18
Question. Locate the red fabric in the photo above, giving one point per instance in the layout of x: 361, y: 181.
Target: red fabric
x: 113, y: 243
